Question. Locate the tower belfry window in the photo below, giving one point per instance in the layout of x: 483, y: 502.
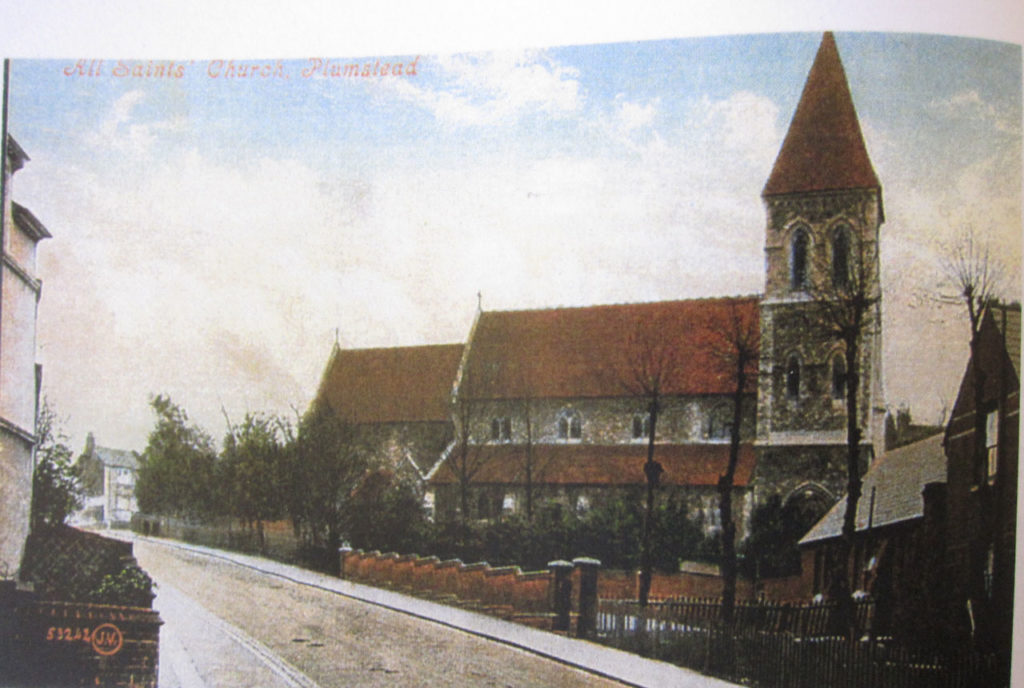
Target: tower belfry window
x: 841, y: 257
x: 839, y: 377
x: 641, y: 426
x: 798, y: 260
x: 793, y: 377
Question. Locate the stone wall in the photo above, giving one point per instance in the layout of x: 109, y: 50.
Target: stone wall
x: 609, y: 420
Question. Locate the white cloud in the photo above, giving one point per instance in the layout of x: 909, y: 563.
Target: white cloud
x: 493, y: 88
x: 744, y: 123
x: 119, y: 131
x: 968, y: 104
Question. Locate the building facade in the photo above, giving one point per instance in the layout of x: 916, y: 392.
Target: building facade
x: 20, y: 290
x: 823, y: 204
x: 982, y: 447
x: 397, y: 400
x: 108, y: 478
x: 555, y: 404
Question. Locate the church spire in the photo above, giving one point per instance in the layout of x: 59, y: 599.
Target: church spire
x: 824, y: 148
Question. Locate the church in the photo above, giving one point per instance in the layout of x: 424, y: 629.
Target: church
x: 548, y: 404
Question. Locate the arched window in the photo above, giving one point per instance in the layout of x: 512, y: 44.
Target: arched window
x: 841, y: 257
x: 570, y: 426
x: 798, y: 259
x: 793, y: 377
x: 501, y: 429
x: 641, y: 426
x: 839, y: 376
x: 720, y: 423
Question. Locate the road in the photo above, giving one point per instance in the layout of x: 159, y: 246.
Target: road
x: 227, y: 625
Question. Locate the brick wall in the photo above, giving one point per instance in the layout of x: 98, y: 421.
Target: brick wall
x: 76, y: 644
x: 622, y: 585
x: 506, y: 591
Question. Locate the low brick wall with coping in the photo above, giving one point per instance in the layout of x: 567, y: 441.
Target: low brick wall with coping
x: 506, y: 591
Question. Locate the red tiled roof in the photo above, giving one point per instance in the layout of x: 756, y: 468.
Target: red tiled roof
x: 612, y: 465
x: 391, y: 385
x: 593, y: 351
x: 823, y: 149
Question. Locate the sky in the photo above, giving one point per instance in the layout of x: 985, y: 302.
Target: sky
x: 214, y: 235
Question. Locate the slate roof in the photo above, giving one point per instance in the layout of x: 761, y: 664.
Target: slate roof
x: 120, y: 458
x: 898, y: 478
x: 401, y: 384
x: 824, y: 148
x: 591, y: 351
x: 605, y: 465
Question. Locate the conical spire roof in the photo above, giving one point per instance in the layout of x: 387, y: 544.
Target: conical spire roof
x: 824, y: 148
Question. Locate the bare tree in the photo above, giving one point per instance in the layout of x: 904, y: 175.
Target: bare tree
x: 973, y: 278
x: 736, y: 346
x: 846, y: 297
x: 468, y: 454
x: 651, y: 364
x: 532, y: 466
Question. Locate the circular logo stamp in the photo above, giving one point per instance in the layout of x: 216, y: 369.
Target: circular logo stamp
x: 107, y: 639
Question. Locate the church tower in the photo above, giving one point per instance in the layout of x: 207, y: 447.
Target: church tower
x: 823, y: 203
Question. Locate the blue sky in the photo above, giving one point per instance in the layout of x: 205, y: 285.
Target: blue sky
x: 211, y: 236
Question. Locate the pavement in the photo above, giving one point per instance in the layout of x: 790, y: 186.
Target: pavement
x: 624, y: 667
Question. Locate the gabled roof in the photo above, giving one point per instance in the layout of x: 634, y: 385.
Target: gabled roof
x: 998, y: 355
x: 593, y: 351
x: 604, y: 465
x: 824, y: 148
x: 897, y: 478
x: 402, y: 384
x: 1007, y: 319
x: 119, y: 458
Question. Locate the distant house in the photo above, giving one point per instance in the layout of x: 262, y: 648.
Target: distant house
x: 398, y: 399
x: 108, y: 478
x: 936, y: 522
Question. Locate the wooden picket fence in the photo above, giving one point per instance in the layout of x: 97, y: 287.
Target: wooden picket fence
x: 780, y: 645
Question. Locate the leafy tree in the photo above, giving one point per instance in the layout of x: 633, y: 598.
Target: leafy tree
x: 176, y: 470
x: 770, y: 549
x: 325, y: 462
x: 249, y: 469
x: 386, y: 513
x: 56, y: 492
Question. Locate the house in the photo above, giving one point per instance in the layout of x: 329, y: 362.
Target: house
x: 20, y: 289
x: 397, y: 398
x: 890, y: 518
x: 936, y: 522
x: 981, y: 498
x: 107, y: 477
x: 543, y: 405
